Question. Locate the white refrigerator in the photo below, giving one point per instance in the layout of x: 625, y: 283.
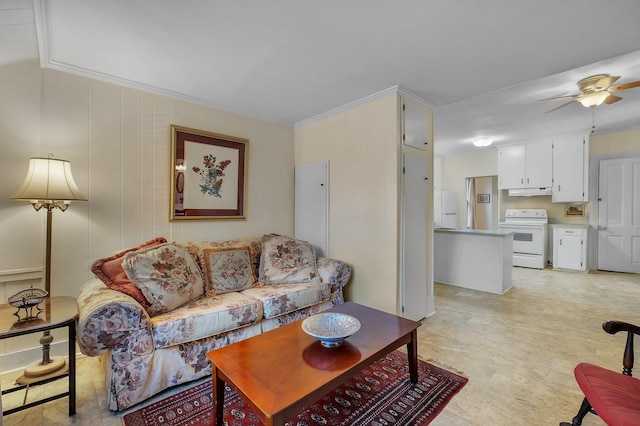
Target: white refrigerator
x: 445, y: 209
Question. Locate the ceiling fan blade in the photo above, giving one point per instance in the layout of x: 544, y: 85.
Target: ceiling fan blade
x: 612, y: 99
x: 624, y: 86
x: 559, y: 97
x: 561, y: 106
x: 605, y: 82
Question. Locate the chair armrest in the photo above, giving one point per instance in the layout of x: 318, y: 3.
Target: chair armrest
x: 332, y: 271
x: 612, y: 327
x: 108, y: 319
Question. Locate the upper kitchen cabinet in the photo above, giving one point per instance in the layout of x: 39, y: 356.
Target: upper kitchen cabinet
x: 415, y: 125
x: 525, y: 166
x: 570, y: 169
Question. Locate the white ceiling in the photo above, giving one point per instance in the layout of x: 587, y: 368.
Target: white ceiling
x: 480, y: 65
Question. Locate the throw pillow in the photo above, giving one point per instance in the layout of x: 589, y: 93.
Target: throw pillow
x: 166, y: 274
x: 229, y: 269
x: 285, y: 260
x: 109, y: 271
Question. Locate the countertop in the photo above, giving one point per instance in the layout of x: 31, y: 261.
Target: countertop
x: 483, y: 232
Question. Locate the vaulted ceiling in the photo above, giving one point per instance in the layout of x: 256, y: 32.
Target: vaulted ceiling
x: 480, y: 65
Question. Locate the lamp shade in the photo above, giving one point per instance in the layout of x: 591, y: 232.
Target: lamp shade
x: 593, y: 99
x: 49, y: 179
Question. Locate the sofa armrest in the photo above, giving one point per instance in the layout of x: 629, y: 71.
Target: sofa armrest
x: 108, y: 319
x: 332, y: 271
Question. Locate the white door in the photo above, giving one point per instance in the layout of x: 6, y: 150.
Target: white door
x: 312, y: 205
x: 414, y: 238
x: 619, y: 215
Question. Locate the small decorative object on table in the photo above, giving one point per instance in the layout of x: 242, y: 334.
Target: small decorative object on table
x: 27, y: 300
x: 331, y: 328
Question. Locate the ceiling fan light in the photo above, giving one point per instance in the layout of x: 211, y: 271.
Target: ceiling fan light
x: 483, y: 141
x: 591, y: 100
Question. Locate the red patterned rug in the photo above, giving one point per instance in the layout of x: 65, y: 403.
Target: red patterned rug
x: 380, y: 395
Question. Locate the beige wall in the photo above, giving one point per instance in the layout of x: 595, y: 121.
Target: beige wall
x: 361, y: 146
x: 614, y: 143
x: 118, y: 142
x: 455, y: 171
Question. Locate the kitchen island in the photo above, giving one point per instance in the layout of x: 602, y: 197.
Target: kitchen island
x: 473, y: 259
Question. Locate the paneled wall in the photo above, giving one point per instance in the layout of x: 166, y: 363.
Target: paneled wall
x: 361, y: 146
x: 118, y: 142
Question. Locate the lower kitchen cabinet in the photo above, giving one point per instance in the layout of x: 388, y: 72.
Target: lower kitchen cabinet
x: 570, y: 247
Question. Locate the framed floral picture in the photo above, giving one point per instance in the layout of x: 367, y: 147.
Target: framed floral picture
x: 208, y: 175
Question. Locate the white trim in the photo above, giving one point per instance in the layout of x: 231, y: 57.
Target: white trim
x: 397, y: 90
x: 10, y: 275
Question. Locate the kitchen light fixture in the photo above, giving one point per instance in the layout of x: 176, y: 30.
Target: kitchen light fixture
x: 592, y: 100
x: 483, y: 141
x: 48, y: 184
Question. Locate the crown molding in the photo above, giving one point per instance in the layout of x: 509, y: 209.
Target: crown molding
x: 394, y: 90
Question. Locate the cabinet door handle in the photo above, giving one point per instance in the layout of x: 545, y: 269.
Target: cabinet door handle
x: 560, y: 242
x: 527, y: 180
x: 558, y: 187
x: 521, y: 180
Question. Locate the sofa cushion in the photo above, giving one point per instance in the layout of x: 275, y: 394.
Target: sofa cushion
x: 285, y: 260
x: 280, y: 299
x: 197, y: 248
x: 204, y: 317
x: 166, y: 274
x: 229, y: 269
x: 109, y: 270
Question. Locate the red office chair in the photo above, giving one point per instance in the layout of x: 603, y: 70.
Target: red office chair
x: 613, y: 396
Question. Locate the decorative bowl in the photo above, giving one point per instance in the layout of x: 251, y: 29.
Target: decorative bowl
x: 27, y: 298
x: 330, y: 328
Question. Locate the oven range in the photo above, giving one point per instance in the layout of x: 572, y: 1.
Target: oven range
x: 529, y: 229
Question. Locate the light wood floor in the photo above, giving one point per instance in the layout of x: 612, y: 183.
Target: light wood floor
x: 518, y: 351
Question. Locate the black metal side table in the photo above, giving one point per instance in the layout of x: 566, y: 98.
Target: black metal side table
x: 58, y: 312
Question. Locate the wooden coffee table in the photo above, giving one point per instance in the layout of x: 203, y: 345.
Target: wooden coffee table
x: 280, y: 372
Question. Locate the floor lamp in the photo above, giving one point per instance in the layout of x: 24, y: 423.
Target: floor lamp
x: 48, y: 185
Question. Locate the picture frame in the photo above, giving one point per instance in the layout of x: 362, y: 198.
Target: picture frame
x: 574, y: 209
x: 484, y: 198
x: 208, y: 175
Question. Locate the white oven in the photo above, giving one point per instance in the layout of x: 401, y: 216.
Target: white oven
x: 529, y: 228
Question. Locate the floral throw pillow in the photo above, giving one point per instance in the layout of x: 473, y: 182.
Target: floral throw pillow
x: 109, y: 270
x: 229, y: 269
x: 166, y: 274
x: 285, y: 260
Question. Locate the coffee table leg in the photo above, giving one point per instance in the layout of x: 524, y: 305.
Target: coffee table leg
x: 412, y: 352
x: 217, y: 386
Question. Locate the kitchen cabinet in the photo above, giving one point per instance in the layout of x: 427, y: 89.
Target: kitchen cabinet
x: 525, y: 166
x: 570, y: 169
x: 415, y: 125
x: 570, y: 247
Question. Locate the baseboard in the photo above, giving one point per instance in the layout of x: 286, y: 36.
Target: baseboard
x: 431, y: 306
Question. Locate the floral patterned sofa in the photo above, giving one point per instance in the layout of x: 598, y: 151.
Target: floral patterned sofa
x: 154, y: 311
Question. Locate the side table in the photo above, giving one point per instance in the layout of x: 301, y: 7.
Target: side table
x: 58, y: 312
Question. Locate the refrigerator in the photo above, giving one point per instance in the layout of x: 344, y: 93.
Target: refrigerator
x: 445, y: 209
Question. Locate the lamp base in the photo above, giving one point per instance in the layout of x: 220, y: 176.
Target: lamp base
x: 37, y: 369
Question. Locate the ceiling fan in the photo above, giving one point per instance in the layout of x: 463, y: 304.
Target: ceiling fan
x: 596, y: 90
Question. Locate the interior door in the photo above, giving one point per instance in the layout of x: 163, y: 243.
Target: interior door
x: 414, y: 238
x: 312, y: 205
x: 619, y: 215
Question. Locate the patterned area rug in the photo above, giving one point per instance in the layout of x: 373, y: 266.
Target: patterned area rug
x: 380, y: 395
